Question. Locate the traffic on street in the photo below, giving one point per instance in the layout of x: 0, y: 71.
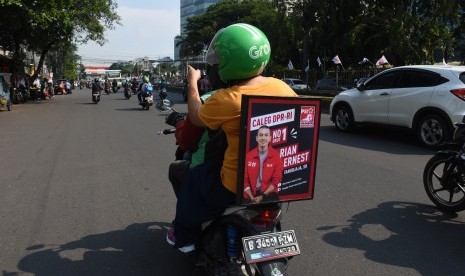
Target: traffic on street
x: 85, y: 191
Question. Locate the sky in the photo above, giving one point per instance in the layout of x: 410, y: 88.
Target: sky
x: 147, y: 29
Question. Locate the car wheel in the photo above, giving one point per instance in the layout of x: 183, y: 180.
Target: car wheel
x: 432, y: 131
x: 343, y: 118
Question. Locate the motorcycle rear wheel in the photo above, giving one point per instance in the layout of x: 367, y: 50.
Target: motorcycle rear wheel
x: 445, y: 193
x: 275, y: 267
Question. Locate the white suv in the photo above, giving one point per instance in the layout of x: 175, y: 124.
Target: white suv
x: 425, y: 98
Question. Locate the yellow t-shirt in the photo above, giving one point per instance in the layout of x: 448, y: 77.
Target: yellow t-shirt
x: 223, y: 110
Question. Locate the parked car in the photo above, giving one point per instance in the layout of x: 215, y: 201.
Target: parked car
x: 298, y: 85
x: 427, y: 99
x: 59, y: 86
x: 329, y: 84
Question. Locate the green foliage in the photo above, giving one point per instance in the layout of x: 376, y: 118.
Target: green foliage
x: 202, y: 28
x: 42, y: 26
x: 406, y: 32
x: 70, y: 63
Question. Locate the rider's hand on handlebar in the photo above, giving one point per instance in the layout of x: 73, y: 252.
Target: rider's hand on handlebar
x: 174, y: 118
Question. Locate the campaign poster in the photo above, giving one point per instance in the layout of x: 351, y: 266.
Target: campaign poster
x: 278, y: 149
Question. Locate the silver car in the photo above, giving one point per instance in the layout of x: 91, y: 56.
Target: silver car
x: 298, y: 85
x: 427, y: 99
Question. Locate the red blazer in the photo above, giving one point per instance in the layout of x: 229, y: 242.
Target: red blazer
x: 272, y: 170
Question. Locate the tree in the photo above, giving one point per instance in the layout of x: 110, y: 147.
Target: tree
x: 53, y: 22
x: 260, y: 13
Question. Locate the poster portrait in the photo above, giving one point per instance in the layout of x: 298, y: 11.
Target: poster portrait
x: 278, y: 149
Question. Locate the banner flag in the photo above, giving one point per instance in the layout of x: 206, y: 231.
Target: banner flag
x: 382, y: 61
x: 290, y: 66
x: 336, y: 60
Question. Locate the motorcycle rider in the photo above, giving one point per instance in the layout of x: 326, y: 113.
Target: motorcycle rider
x: 134, y: 85
x: 107, y: 86
x: 114, y: 84
x: 68, y: 87
x: 206, y: 193
x: 162, y: 85
x: 204, y: 84
x: 96, y: 87
x: 146, y: 88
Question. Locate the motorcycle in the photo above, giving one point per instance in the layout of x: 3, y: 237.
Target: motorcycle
x: 162, y: 93
x: 96, y: 96
x: 147, y: 101
x: 127, y: 92
x: 244, y: 240
x: 444, y: 175
x: 35, y: 93
x: 134, y: 90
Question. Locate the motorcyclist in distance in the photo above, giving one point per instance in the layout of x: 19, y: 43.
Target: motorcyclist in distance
x: 134, y: 85
x: 114, y: 85
x: 146, y: 88
x: 96, y: 87
x: 107, y: 86
x: 241, y: 52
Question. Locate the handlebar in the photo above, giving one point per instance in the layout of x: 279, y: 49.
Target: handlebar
x: 167, y: 131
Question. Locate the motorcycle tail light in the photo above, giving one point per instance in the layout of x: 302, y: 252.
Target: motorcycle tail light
x: 460, y: 93
x: 263, y: 217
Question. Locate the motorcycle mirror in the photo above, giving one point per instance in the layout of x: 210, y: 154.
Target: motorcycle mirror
x: 164, y: 105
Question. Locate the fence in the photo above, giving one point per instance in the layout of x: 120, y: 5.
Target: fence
x: 345, y: 77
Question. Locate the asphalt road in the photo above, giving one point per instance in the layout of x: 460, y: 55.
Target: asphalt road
x: 84, y: 191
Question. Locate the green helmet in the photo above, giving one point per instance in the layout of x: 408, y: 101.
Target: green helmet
x: 240, y: 50
x: 145, y: 79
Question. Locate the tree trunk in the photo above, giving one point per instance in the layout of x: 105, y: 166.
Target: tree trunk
x: 41, y: 62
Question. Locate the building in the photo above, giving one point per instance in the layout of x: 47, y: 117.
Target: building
x: 190, y: 8
x: 193, y: 8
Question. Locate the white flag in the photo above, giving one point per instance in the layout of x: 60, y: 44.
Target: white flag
x: 336, y: 60
x: 365, y: 60
x: 155, y: 64
x: 290, y: 66
x: 382, y: 61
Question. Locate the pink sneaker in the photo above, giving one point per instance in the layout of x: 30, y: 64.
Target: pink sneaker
x: 171, y: 239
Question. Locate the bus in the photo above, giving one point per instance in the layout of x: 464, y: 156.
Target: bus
x: 113, y: 74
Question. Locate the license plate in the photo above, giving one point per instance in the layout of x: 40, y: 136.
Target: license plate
x: 270, y: 246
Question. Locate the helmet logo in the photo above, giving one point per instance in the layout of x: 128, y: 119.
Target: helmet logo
x: 256, y: 52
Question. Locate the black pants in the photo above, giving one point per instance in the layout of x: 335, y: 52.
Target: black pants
x: 202, y: 198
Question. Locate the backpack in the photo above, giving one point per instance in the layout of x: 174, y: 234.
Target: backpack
x: 148, y: 88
